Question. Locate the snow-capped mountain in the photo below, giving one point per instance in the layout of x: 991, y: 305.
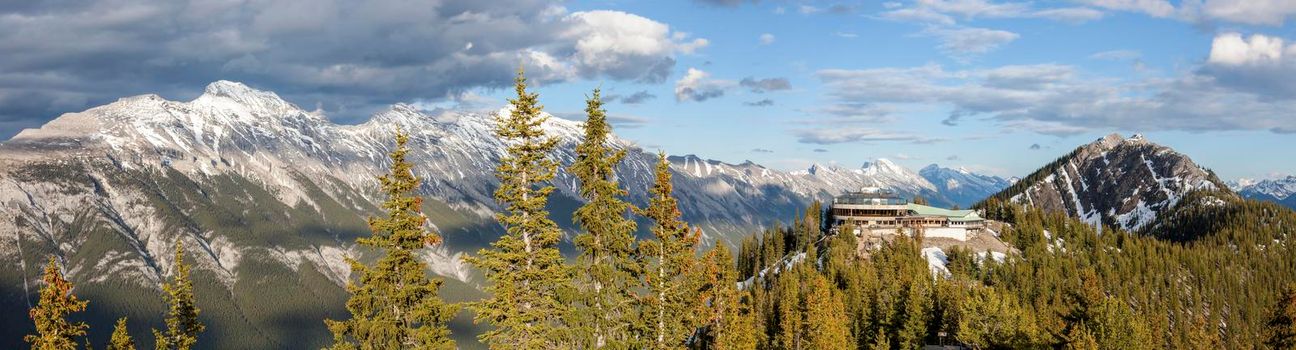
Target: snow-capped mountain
x: 1123, y: 182
x: 259, y: 189
x: 1280, y: 190
x: 961, y: 185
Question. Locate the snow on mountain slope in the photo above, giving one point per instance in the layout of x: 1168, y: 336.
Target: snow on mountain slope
x: 257, y: 189
x: 1123, y: 182
x: 962, y: 186
x: 1278, y: 190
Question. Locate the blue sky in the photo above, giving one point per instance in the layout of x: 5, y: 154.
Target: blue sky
x: 1000, y: 87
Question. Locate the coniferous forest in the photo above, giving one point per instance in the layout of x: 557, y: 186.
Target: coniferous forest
x: 1217, y: 272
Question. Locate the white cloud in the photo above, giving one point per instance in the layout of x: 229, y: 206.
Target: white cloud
x: 918, y: 14
x: 622, y: 44
x: 766, y: 39
x: 835, y: 135
x: 697, y: 86
x: 1157, y: 8
x: 976, y: 8
x: 1116, y: 55
x: 1058, y: 100
x: 1232, y: 49
x: 1259, y: 64
x: 965, y: 42
x: 1261, y: 12
x: 1069, y: 14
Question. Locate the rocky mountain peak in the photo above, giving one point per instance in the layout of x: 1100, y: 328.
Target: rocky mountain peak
x: 1116, y: 181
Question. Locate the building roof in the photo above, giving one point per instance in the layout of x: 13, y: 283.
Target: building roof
x: 923, y: 210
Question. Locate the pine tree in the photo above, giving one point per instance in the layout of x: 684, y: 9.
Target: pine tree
x: 121, y: 339
x: 182, y: 322
x: 670, y: 261
x: 730, y: 323
x: 395, y: 304
x: 827, y: 325
x: 524, y: 266
x: 1281, y: 326
x: 607, y: 267
x: 53, y: 330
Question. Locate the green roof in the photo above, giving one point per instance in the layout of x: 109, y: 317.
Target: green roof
x: 924, y: 210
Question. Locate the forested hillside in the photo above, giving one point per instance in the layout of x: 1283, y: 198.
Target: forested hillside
x: 1069, y: 287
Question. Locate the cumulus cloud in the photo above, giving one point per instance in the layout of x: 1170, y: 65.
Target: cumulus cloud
x: 761, y: 150
x: 764, y: 85
x: 353, y: 58
x: 1056, y: 100
x: 698, y: 86
x: 1034, y: 146
x: 766, y: 39
x: 1232, y: 49
x: 820, y: 150
x: 761, y: 103
x: 1260, y: 64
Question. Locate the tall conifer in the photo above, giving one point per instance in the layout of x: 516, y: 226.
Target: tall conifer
x: 395, y: 304
x: 672, y: 300
x: 121, y: 339
x: 182, y: 322
x: 524, y: 266
x: 730, y: 323
x: 1281, y: 325
x: 53, y: 330
x: 607, y: 268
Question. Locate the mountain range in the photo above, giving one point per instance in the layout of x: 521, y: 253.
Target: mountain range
x: 1279, y: 190
x: 267, y: 198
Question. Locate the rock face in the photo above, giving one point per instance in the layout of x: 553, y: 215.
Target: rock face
x: 1115, y: 181
x: 267, y: 199
x: 1281, y: 190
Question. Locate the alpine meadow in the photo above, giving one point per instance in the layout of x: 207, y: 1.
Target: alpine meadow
x: 461, y: 174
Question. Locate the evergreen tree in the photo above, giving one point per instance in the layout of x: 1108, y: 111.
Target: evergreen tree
x: 53, y: 330
x: 395, y: 304
x: 607, y: 268
x: 671, y: 301
x: 524, y: 266
x: 730, y: 323
x: 1205, y: 336
x: 121, y: 339
x: 827, y: 325
x: 1281, y: 326
x: 182, y: 322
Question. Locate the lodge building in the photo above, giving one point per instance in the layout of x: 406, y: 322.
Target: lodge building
x: 881, y: 212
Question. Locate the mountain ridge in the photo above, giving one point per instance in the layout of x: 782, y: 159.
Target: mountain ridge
x: 1113, y: 181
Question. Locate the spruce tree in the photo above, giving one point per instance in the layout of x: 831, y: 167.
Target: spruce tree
x: 182, y: 322
x: 1281, y: 326
x: 827, y: 325
x: 607, y: 267
x: 53, y: 330
x: 395, y: 304
x: 524, y: 266
x: 730, y: 323
x: 672, y: 300
x: 121, y: 339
